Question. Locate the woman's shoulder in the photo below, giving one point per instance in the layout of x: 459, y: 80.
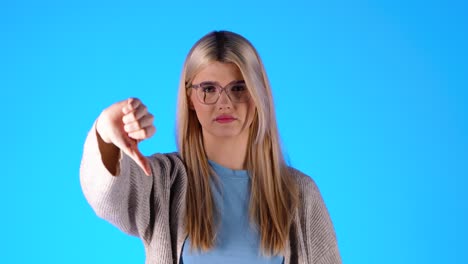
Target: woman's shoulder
x: 309, y: 192
x: 306, y: 184
x: 314, y: 218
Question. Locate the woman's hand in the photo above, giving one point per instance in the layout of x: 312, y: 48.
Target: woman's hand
x: 124, y: 124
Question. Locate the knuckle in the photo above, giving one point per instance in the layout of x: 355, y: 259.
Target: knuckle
x: 132, y: 116
x: 136, y: 125
x: 144, y: 133
x: 129, y: 118
x: 142, y: 109
x: 136, y: 102
x: 126, y: 119
x: 133, y: 103
x: 151, y: 130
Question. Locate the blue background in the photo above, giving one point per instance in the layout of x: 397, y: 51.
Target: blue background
x: 371, y: 100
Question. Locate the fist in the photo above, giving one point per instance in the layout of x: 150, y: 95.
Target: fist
x: 125, y: 124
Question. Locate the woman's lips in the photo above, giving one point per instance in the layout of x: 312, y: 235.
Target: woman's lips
x: 224, y: 119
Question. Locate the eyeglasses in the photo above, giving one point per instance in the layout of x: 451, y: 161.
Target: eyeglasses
x: 209, y: 92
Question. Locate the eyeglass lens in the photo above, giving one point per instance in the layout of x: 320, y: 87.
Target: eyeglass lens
x: 210, y: 92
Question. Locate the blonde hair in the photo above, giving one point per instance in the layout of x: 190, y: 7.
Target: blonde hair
x: 274, y: 193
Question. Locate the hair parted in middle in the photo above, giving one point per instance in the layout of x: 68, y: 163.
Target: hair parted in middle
x: 274, y: 192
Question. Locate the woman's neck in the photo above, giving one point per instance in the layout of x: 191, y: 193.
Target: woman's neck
x: 228, y: 152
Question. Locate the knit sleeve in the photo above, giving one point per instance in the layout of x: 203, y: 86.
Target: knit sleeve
x: 127, y: 200
x: 320, y: 238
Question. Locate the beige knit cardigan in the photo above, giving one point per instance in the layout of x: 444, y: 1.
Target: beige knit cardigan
x: 153, y: 208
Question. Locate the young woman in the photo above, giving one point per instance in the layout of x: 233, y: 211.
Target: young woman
x: 227, y: 195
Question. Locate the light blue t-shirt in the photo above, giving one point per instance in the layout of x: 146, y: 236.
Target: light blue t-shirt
x: 237, y: 241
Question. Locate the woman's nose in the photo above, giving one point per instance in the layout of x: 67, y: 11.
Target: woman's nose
x: 224, y: 99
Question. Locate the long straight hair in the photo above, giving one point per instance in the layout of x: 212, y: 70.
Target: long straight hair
x: 274, y: 192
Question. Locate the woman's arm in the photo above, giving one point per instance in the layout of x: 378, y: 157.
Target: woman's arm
x: 113, y: 169
x: 119, y: 192
x: 319, y: 234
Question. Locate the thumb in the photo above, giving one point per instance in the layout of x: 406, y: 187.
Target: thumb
x: 135, y: 154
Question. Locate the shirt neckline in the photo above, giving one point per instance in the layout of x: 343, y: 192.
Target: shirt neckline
x: 227, y: 172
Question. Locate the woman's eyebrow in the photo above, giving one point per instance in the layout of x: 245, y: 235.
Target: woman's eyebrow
x: 210, y: 82
x: 237, y: 81
x: 217, y: 83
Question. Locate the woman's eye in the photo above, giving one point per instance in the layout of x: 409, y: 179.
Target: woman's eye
x: 209, y: 89
x: 238, y: 88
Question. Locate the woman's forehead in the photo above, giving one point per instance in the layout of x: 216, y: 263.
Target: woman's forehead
x: 220, y: 72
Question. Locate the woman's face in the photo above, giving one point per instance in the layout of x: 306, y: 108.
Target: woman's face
x: 224, y: 119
